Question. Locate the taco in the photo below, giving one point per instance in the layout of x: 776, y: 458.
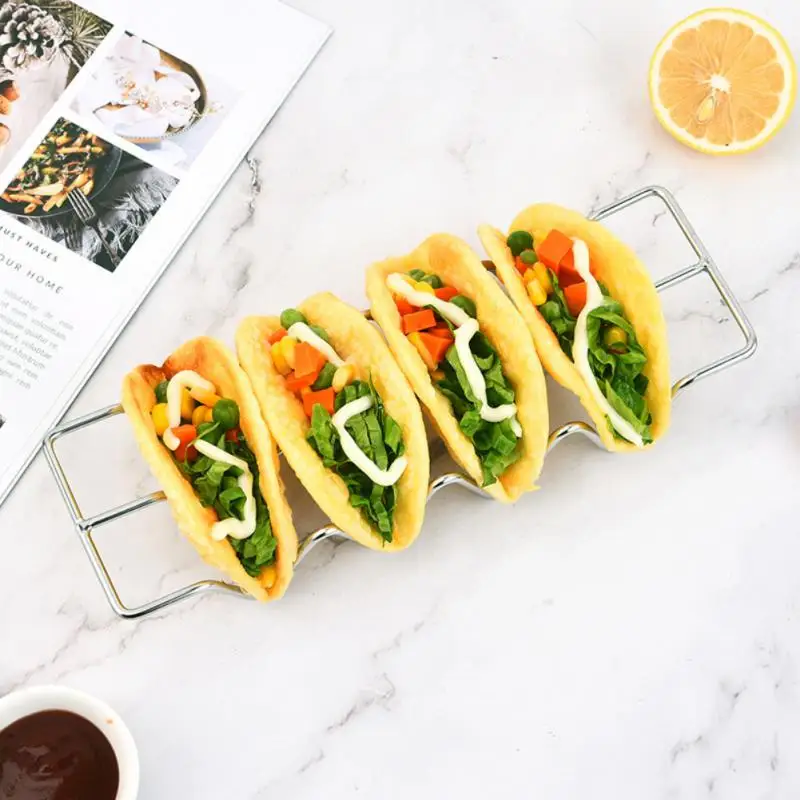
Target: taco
x: 344, y: 417
x: 595, y: 318
x: 200, y: 430
x: 470, y: 360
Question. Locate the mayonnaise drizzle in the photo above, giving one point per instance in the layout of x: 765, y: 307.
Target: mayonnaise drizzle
x: 477, y: 382
x: 235, y: 528
x: 466, y: 328
x: 382, y: 477
x: 580, y: 345
x: 399, y: 285
x: 303, y: 333
x: 185, y: 379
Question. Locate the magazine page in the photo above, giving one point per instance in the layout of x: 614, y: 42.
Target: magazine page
x: 118, y: 126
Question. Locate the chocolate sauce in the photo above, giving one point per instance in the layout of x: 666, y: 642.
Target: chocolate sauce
x: 56, y: 755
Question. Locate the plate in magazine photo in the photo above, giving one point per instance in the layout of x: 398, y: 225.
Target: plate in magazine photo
x: 86, y: 194
x: 154, y: 99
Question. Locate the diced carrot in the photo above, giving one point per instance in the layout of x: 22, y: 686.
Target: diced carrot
x: 403, y: 306
x: 418, y: 321
x: 442, y: 331
x: 232, y: 435
x: 568, y: 275
x: 324, y: 397
x: 553, y: 249
x: 520, y: 265
x: 307, y: 360
x: 435, y: 345
x: 446, y: 293
x: 276, y: 336
x: 569, y: 262
x: 575, y: 295
x: 294, y: 383
x: 185, y: 434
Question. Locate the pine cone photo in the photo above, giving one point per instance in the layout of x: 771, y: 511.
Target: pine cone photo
x: 29, y: 36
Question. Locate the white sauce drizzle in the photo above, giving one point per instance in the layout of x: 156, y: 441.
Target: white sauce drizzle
x: 235, y: 528
x: 399, y: 285
x: 466, y: 328
x: 477, y: 382
x: 185, y: 379
x: 382, y: 477
x: 580, y: 346
x: 303, y: 333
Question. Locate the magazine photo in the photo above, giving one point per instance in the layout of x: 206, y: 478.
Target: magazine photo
x: 43, y: 46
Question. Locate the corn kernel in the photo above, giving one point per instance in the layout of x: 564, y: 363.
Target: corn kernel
x: 343, y: 376
x: 278, y: 359
x: 421, y: 286
x: 209, y: 399
x: 199, y: 415
x: 528, y: 276
x: 543, y: 276
x: 160, y: 418
x: 287, y: 348
x: 615, y: 336
x: 187, y: 404
x: 537, y: 295
x: 268, y: 576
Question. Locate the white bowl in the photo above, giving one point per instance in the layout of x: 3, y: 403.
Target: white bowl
x: 20, y: 704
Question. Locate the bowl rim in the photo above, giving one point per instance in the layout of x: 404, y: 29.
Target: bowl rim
x: 23, y: 702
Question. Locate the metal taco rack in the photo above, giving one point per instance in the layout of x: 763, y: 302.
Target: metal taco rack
x: 85, y: 526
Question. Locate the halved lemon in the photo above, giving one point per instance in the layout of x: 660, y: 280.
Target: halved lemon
x: 723, y: 81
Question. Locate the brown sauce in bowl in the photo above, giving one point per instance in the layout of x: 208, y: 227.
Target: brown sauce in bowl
x: 56, y: 755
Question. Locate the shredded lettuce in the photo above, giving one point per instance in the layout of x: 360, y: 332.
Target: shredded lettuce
x: 379, y: 436
x: 215, y: 484
x: 618, y: 368
x: 556, y: 314
x: 495, y: 443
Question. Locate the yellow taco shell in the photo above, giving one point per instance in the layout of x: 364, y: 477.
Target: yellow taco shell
x: 616, y: 266
x: 458, y: 266
x: 216, y: 363
x: 358, y: 342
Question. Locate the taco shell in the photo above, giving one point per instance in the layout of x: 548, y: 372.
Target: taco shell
x: 458, y: 266
x: 626, y: 278
x: 356, y: 341
x: 216, y: 363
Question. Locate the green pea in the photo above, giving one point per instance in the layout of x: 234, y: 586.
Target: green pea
x: 290, y: 316
x: 465, y: 304
x: 417, y: 274
x: 325, y: 377
x: 226, y: 414
x: 519, y: 241
x: 161, y: 392
x: 528, y: 257
x: 321, y: 332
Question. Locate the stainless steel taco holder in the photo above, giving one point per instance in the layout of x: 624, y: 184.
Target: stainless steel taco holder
x: 85, y: 526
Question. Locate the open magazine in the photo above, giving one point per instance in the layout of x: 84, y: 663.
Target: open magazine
x: 118, y: 126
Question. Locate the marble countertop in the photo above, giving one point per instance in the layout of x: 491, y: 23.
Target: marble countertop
x: 631, y: 630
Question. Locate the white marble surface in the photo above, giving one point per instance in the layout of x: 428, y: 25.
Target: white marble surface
x: 631, y: 631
